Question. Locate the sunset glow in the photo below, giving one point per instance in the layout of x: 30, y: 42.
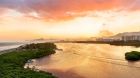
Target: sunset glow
x: 31, y: 19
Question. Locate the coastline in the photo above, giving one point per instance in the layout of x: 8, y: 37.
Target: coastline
x: 12, y: 61
x: 116, y: 43
x: 8, y: 50
x: 40, y: 51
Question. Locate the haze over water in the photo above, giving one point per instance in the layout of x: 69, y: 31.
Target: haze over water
x: 90, y: 61
x: 9, y: 46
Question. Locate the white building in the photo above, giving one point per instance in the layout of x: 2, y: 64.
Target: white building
x: 127, y: 36
x: 131, y: 38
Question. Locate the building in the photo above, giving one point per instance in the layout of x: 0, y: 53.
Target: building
x: 127, y: 36
x: 131, y: 38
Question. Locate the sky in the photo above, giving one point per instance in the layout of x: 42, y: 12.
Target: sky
x: 31, y: 19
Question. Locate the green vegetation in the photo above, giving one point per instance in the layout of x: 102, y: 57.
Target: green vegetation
x: 132, y: 56
x: 12, y: 64
x: 116, y: 43
x: 126, y: 43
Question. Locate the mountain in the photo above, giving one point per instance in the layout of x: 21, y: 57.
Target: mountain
x: 42, y: 40
x: 105, y: 33
x: 120, y: 35
x: 128, y: 33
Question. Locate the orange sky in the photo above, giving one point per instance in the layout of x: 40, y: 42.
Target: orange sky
x: 29, y: 19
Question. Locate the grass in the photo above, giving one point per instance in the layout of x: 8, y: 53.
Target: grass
x: 132, y: 56
x: 11, y: 64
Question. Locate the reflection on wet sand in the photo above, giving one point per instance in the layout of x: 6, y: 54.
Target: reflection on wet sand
x: 89, y: 61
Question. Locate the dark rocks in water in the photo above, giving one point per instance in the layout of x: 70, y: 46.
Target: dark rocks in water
x: 132, y: 56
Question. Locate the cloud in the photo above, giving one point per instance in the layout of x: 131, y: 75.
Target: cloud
x: 58, y: 9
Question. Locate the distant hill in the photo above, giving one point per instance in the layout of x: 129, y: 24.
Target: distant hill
x: 128, y: 33
x: 42, y: 40
x: 105, y: 33
x: 125, y: 34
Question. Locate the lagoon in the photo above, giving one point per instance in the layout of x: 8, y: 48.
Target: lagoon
x: 80, y: 60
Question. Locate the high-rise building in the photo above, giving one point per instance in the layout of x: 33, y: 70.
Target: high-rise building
x: 131, y: 38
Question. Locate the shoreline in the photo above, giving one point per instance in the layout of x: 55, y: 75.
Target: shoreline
x: 12, y: 61
x: 116, y: 43
x: 35, y: 48
x: 10, y: 49
x: 7, y: 51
